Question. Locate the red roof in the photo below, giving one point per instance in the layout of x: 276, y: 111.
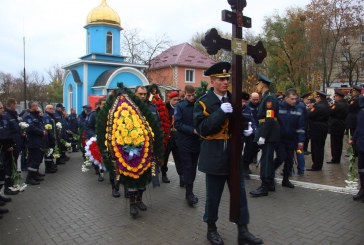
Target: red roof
x: 182, y: 54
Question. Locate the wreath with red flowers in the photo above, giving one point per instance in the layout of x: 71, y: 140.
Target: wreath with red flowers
x: 164, y: 116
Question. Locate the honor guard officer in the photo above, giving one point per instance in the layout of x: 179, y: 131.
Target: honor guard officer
x: 353, y: 109
x: 338, y: 113
x: 211, y: 117
x: 318, y: 118
x: 267, y: 135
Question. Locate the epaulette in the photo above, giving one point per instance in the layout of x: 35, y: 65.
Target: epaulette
x: 203, y: 96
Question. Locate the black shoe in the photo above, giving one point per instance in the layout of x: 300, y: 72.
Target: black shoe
x: 9, y: 192
x: 287, y: 183
x: 2, y: 203
x: 191, y: 199
x: 360, y: 195
x: 272, y: 187
x: 245, y: 237
x: 60, y: 161
x: 50, y: 170
x: 313, y: 169
x: 4, y: 210
x: 5, y: 199
x: 260, y: 192
x: 214, y: 238
x: 165, y: 179
x: 100, y: 179
x: 115, y: 193
x: 134, y: 210
x: 141, y: 206
x: 40, y: 175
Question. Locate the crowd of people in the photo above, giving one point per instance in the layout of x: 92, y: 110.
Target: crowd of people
x: 199, y: 138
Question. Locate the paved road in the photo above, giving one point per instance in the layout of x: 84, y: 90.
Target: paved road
x: 71, y: 207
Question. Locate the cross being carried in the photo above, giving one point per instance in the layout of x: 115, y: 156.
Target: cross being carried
x: 213, y: 42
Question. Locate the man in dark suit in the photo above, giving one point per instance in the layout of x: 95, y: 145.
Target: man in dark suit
x: 211, y: 118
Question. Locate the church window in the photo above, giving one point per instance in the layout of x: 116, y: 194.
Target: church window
x: 88, y: 43
x: 70, y: 96
x: 109, y: 42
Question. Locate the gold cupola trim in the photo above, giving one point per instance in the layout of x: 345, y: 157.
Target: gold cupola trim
x: 103, y: 14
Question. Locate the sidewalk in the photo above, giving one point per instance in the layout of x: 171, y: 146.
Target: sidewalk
x: 71, y: 207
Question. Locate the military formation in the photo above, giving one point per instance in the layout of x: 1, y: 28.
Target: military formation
x: 197, y: 131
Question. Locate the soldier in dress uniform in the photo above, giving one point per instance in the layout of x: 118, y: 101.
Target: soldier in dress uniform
x: 35, y: 143
x: 211, y: 118
x: 172, y: 145
x: 267, y: 135
x: 338, y: 113
x: 353, y: 109
x: 318, y: 117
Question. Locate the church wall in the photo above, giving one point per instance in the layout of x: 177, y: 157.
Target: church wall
x: 98, y: 39
x: 127, y: 78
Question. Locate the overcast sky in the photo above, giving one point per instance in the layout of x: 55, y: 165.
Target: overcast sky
x: 54, y: 33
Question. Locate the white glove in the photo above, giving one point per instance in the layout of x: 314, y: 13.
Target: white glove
x: 248, y: 131
x: 261, y: 141
x: 226, y: 107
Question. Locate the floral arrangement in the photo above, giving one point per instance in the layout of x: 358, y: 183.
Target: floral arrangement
x: 164, y: 116
x: 202, y: 90
x: 23, y: 126
x: 16, y: 177
x: 48, y: 127
x: 131, y: 138
x: 351, y: 181
x: 93, y: 154
x: 59, y: 125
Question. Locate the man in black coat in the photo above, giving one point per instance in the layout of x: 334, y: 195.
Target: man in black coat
x: 338, y: 113
x: 211, y: 118
x: 51, y: 139
x: 73, y: 128
x: 188, y: 141
x: 318, y: 117
x: 353, y: 109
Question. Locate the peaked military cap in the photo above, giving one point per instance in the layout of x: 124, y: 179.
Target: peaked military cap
x: 306, y: 95
x: 357, y: 88
x: 264, y: 79
x: 220, y: 69
x: 245, y: 96
x: 320, y: 93
x: 59, y: 105
x: 339, y: 92
x: 173, y: 94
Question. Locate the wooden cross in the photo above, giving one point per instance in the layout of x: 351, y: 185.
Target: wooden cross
x: 213, y: 42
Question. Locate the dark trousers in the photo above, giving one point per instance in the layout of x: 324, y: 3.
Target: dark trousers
x: 189, y: 161
x: 318, y: 148
x: 305, y: 144
x: 10, y: 158
x: 336, y: 145
x: 266, y: 164
x: 35, y: 157
x: 214, y: 187
x: 361, y: 168
x: 285, y: 153
x: 250, y: 150
x: 172, y: 147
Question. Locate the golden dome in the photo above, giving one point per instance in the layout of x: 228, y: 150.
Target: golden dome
x: 103, y: 14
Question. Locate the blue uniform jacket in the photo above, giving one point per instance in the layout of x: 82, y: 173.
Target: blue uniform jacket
x: 90, y: 125
x: 73, y: 122
x: 48, y: 118
x: 35, y: 130
x: 292, y: 122
x: 14, y: 129
x: 183, y: 122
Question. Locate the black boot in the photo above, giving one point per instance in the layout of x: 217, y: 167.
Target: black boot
x: 360, y: 195
x: 115, y: 188
x: 213, y: 236
x: 165, y: 179
x: 139, y: 201
x: 59, y: 161
x: 181, y: 181
x: 3, y: 210
x: 245, y: 237
x: 287, y: 183
x: 49, y: 168
x: 133, y: 207
x: 38, y: 177
x: 101, y: 176
x: 190, y: 197
x: 30, y: 178
x: 7, y: 190
x: 5, y: 199
x: 261, y: 191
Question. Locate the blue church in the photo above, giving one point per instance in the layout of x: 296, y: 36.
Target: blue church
x: 103, y: 66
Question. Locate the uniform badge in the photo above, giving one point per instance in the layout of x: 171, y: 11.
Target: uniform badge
x: 333, y: 107
x: 352, y: 102
x: 270, y: 113
x: 269, y: 104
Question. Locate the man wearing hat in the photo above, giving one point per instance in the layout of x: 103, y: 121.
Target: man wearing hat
x: 353, y: 109
x: 318, y: 117
x: 307, y: 102
x: 267, y: 135
x: 211, y: 117
x: 59, y: 118
x: 172, y: 146
x: 338, y: 113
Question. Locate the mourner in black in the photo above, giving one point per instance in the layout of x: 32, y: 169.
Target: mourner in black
x: 172, y: 145
x: 5, y: 146
x: 358, y: 142
x: 17, y: 141
x: 267, y: 135
x: 73, y: 128
x: 51, y: 139
x: 338, y: 113
x: 318, y: 117
x: 307, y: 102
x: 188, y: 141
x: 35, y: 142
x: 353, y: 109
x: 211, y: 118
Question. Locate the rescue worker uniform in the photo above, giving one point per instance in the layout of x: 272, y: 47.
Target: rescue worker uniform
x: 50, y: 142
x: 5, y: 144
